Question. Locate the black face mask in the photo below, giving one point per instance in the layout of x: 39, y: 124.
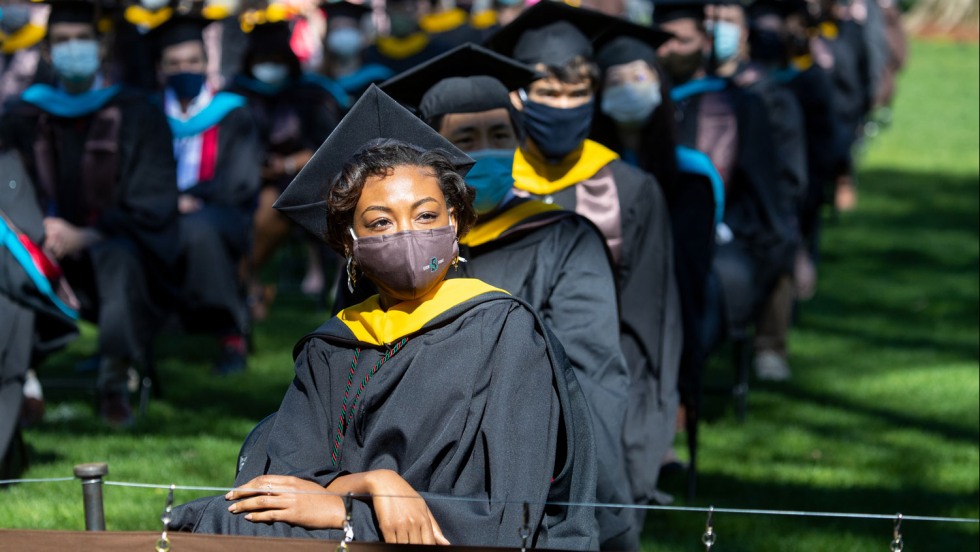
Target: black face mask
x: 557, y: 131
x: 186, y: 85
x: 682, y: 67
x: 768, y: 47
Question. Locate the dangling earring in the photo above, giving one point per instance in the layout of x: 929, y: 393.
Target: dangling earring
x: 351, y: 274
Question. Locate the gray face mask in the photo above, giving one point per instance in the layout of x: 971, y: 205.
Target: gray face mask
x: 408, y: 264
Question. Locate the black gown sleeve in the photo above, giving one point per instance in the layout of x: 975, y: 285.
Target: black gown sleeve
x: 146, y: 207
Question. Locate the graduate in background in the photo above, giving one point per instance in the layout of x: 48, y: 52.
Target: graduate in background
x: 295, y: 111
x: 447, y: 23
x: 406, y: 44
x: 217, y: 149
x: 731, y: 126
x: 344, y: 46
x: 729, y: 26
x: 557, y: 163
x: 102, y: 160
x: 373, y: 382
x: 554, y: 259
x: 636, y: 119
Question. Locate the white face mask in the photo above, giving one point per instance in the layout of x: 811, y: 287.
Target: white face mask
x: 154, y: 5
x: 270, y: 72
x: 76, y: 60
x: 631, y: 103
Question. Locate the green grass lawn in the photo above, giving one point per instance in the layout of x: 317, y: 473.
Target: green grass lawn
x: 882, y: 416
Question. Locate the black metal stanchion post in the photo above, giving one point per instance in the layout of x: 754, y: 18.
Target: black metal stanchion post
x: 91, y: 476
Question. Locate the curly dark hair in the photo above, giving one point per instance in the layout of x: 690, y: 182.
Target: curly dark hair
x: 380, y: 158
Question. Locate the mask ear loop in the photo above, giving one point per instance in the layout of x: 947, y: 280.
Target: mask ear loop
x: 351, y: 267
x: 458, y: 258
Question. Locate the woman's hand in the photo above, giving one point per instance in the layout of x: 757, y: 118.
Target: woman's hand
x: 402, y: 513
x: 309, y: 507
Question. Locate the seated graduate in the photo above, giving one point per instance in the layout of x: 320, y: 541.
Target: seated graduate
x: 557, y: 163
x: 294, y: 112
x: 636, y: 120
x: 451, y: 388
x: 554, y: 259
x: 217, y: 148
x: 102, y: 160
x: 343, y: 49
x: 731, y: 125
x: 406, y: 44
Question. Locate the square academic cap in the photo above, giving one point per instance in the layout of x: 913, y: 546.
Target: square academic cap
x: 551, y: 33
x: 672, y: 10
x: 345, y: 9
x: 179, y: 29
x: 374, y: 116
x: 782, y: 8
x: 466, y: 79
x: 78, y: 11
x: 627, y: 42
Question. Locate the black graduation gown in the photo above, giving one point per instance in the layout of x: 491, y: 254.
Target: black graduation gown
x: 756, y: 208
x: 512, y: 427
x: 121, y: 280
x: 557, y: 261
x: 788, y: 133
x: 851, y: 78
x: 650, y: 322
x: 31, y: 324
x: 825, y: 158
x: 214, y: 239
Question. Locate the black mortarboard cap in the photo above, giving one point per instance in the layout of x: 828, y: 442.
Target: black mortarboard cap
x: 672, y: 10
x: 271, y: 38
x: 782, y: 8
x: 551, y: 33
x: 626, y: 42
x: 179, y: 29
x: 466, y: 79
x: 76, y: 11
x: 345, y: 9
x: 374, y: 116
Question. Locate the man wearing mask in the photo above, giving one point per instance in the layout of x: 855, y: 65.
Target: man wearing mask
x: 218, y: 154
x: 558, y: 164
x: 344, y: 48
x: 789, y: 138
x: 406, y: 44
x: 554, y: 259
x: 730, y: 125
x: 103, y: 164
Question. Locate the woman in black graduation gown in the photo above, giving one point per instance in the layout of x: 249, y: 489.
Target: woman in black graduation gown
x: 449, y: 388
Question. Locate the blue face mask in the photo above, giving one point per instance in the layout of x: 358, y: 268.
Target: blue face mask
x: 727, y: 38
x: 344, y: 43
x: 75, y: 60
x: 186, y: 85
x: 492, y: 177
x: 557, y: 131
